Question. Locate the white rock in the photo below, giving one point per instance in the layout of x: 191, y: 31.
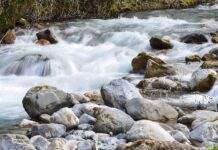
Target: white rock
x: 145, y: 129
x: 66, y: 117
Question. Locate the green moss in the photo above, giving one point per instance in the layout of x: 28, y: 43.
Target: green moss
x: 41, y: 87
x: 109, y: 117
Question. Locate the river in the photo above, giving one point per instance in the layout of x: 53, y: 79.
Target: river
x: 92, y: 52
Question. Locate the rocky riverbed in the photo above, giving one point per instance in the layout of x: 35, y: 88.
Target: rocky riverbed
x: 146, y: 80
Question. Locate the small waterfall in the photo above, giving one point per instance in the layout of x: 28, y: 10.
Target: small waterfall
x: 29, y: 65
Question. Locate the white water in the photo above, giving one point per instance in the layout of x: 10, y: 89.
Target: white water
x: 92, y: 52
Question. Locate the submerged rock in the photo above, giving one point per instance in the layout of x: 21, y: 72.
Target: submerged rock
x: 112, y: 120
x: 118, y: 92
x: 15, y: 142
x: 47, y: 35
x: 46, y: 100
x: 160, y: 44
x: 8, y: 38
x: 48, y: 130
x: 194, y: 38
x: 145, y: 129
x: 154, y: 69
x: 193, y: 58
x: 140, y: 108
x: 66, y: 117
x: 139, y: 63
x: 203, y: 80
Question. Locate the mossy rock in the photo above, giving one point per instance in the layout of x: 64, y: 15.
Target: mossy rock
x: 193, y: 58
x: 139, y: 63
x: 210, y: 65
x: 154, y: 69
x: 210, y: 57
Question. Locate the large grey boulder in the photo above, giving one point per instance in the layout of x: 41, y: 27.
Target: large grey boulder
x: 48, y: 130
x: 207, y: 132
x: 40, y: 142
x: 146, y: 129
x: 66, y: 117
x: 118, y: 92
x: 46, y: 100
x: 15, y: 142
x: 112, y: 120
x: 203, y: 80
x: 141, y: 108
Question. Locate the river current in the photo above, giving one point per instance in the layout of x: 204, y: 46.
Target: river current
x: 90, y: 53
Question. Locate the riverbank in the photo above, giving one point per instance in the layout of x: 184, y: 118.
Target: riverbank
x: 53, y: 10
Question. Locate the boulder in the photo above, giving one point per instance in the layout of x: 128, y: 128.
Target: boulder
x: 66, y: 117
x: 48, y: 130
x: 139, y: 63
x: 193, y: 58
x: 206, y: 132
x: 8, y: 38
x: 203, y: 80
x: 156, y: 145
x: 43, y: 42
x: 39, y: 142
x: 210, y: 57
x: 210, y: 65
x: 46, y: 100
x: 194, y: 38
x: 160, y: 44
x: 154, y: 69
x: 15, y: 142
x: 145, y: 129
x: 141, y: 108
x: 112, y: 120
x: 47, y: 35
x: 118, y: 92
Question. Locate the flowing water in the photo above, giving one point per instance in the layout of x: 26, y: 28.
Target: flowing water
x: 92, y: 52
